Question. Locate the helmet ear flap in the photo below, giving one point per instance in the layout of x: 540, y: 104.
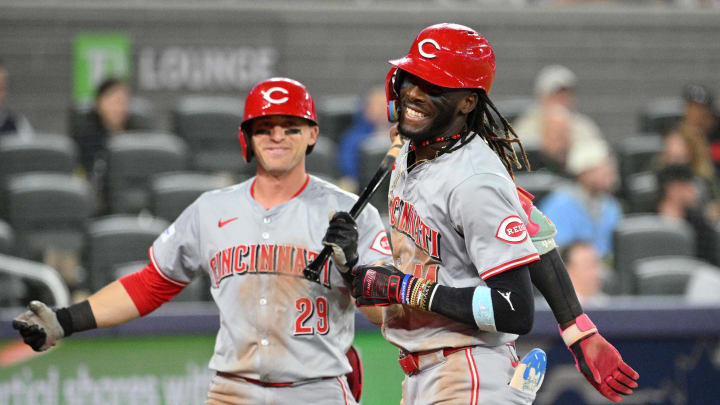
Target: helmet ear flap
x: 391, y: 94
x: 244, y: 138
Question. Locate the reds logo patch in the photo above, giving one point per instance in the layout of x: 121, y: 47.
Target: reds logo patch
x: 381, y: 244
x: 511, y: 230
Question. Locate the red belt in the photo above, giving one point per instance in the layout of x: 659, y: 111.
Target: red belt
x: 268, y: 384
x: 409, y: 361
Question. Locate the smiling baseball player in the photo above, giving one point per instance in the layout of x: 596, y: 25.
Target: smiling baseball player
x: 463, y: 238
x: 282, y: 339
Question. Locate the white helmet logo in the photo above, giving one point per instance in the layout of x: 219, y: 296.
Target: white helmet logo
x: 267, y: 95
x: 428, y: 41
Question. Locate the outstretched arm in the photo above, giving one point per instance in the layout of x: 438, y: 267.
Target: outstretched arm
x: 595, y: 357
x: 121, y: 301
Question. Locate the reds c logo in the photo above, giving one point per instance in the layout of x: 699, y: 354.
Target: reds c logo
x: 267, y: 95
x: 428, y: 41
x: 511, y: 230
x: 381, y: 244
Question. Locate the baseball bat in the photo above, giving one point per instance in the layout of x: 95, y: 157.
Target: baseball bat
x: 312, y: 270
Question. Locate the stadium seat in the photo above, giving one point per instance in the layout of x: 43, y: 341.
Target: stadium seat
x: 48, y: 210
x: 210, y: 127
x: 640, y: 236
x: 38, y: 153
x: 667, y: 275
x: 642, y: 192
x: 336, y: 113
x: 171, y: 193
x: 540, y: 183
x: 114, y: 241
x: 133, y: 158
x: 637, y: 154
x: 660, y: 115
x: 322, y: 161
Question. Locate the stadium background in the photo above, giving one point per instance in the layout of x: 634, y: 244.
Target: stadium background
x: 625, y: 54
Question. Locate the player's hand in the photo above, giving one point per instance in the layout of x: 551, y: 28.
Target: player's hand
x: 39, y: 326
x: 602, y: 365
x: 342, y: 237
x: 377, y: 285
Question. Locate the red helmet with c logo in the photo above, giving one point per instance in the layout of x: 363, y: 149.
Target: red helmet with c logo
x: 275, y: 96
x: 447, y: 55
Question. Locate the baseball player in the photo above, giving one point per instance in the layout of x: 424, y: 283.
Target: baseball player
x: 282, y: 339
x: 466, y: 240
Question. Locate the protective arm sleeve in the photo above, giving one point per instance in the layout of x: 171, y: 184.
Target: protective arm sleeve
x: 504, y: 305
x: 551, y: 278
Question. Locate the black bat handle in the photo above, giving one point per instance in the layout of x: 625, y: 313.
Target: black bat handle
x: 312, y: 270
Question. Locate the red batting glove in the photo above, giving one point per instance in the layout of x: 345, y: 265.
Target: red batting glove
x: 598, y: 360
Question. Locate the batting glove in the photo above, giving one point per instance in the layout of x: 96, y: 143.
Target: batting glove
x: 342, y: 237
x: 39, y: 326
x: 598, y: 360
x: 378, y: 285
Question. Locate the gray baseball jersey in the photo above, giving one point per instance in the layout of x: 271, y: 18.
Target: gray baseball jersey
x: 458, y: 220
x: 275, y: 326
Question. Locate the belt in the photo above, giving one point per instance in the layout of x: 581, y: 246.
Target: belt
x: 410, y: 362
x: 269, y: 384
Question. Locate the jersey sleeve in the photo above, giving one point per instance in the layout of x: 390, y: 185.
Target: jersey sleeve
x: 175, y: 253
x: 373, y: 242
x: 486, y: 211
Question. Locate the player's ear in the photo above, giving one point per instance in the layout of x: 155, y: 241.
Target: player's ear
x: 469, y: 102
x: 314, y: 131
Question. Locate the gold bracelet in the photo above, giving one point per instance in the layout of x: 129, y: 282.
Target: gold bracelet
x: 425, y: 303
x: 416, y: 290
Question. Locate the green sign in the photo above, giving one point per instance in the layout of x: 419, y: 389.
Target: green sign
x: 167, y: 370
x: 97, y: 56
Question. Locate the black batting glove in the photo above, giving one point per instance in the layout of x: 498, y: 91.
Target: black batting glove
x: 342, y: 237
x: 378, y: 285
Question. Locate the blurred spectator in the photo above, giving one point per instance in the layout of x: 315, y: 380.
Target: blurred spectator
x: 679, y: 199
x: 586, y: 210
x: 10, y: 121
x: 370, y: 123
x: 108, y: 116
x: 586, y: 272
x: 700, y: 119
x: 555, y: 140
x: 686, y: 146
x: 554, y: 86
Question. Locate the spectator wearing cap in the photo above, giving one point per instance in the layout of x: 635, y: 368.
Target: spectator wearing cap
x: 679, y: 199
x: 586, y: 209
x: 10, y: 121
x: 554, y: 86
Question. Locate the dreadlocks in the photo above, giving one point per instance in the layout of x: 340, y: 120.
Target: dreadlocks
x: 500, y: 136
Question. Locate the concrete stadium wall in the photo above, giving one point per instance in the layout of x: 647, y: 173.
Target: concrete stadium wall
x: 623, y: 56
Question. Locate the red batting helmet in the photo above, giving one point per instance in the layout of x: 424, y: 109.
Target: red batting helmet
x: 447, y: 55
x: 276, y: 96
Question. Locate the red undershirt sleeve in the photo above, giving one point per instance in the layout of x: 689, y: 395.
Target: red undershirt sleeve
x: 148, y: 289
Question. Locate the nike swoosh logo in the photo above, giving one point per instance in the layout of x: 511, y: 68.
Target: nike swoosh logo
x: 222, y: 223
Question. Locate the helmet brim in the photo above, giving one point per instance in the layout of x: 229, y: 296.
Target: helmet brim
x: 430, y: 72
